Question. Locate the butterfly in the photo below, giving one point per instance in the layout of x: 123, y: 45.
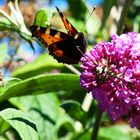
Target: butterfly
x: 64, y: 47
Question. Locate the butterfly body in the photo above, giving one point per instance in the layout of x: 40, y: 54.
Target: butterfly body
x: 66, y: 48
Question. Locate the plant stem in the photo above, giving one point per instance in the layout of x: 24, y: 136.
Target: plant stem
x: 97, y: 124
x: 73, y: 69
x: 123, y: 16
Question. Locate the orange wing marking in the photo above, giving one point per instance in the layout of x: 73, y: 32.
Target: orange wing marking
x: 50, y: 39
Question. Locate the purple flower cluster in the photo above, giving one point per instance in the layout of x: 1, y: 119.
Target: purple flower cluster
x: 111, y: 71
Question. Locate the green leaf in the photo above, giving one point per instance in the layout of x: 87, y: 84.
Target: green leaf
x: 3, y: 52
x: 108, y: 4
x: 86, y: 135
x: 80, y: 12
x: 3, y: 138
x: 120, y: 132
x: 3, y: 126
x: 11, y: 81
x: 4, y: 24
x: 115, y: 132
x: 44, y: 63
x: 45, y: 110
x: 65, y: 127
x: 73, y: 108
x: 21, y: 123
x: 43, y: 84
x: 42, y: 17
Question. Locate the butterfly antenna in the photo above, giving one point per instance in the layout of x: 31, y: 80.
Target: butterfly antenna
x: 88, y: 18
x: 60, y: 13
x: 92, y: 42
x: 80, y: 51
x: 84, y: 54
x: 57, y: 9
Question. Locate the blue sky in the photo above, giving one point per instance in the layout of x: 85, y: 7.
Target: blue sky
x: 62, y: 3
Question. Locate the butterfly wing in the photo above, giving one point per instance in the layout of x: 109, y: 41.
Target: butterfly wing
x: 69, y: 27
x: 65, y: 51
x: 47, y: 36
x: 60, y: 45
